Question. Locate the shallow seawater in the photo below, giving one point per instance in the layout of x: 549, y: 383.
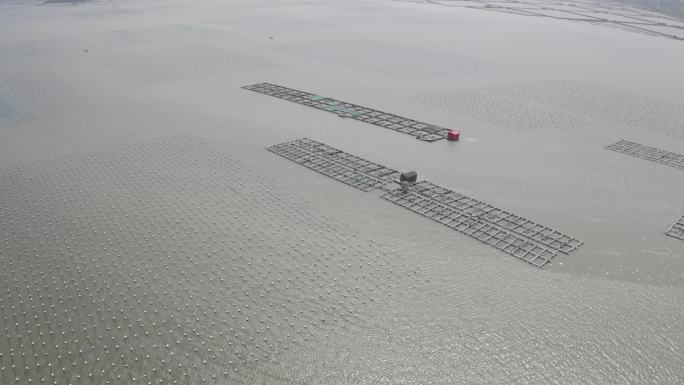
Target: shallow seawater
x: 148, y: 236
x: 145, y: 256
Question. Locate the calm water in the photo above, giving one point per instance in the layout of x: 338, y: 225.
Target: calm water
x: 147, y: 236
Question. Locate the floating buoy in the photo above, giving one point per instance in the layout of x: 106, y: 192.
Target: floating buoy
x: 453, y: 135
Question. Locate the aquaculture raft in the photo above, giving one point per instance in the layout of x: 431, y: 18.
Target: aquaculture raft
x: 517, y: 236
x: 352, y: 170
x: 649, y: 153
x: 423, y: 131
x: 677, y: 230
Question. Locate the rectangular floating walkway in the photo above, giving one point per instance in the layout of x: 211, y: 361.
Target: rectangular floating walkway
x: 517, y: 236
x: 337, y: 164
x: 649, y: 153
x: 677, y: 230
x: 422, y: 131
